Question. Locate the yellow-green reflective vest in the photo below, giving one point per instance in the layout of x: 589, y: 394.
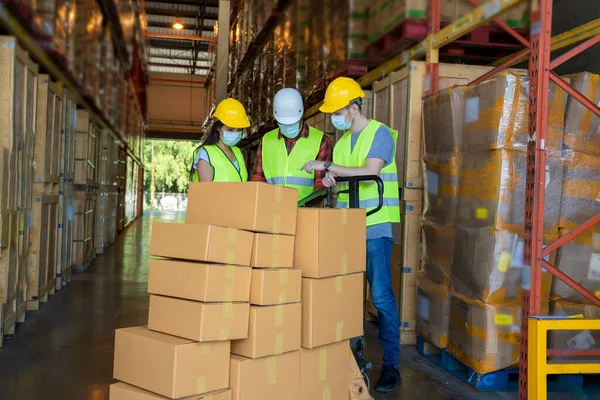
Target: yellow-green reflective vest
x: 283, y: 169
x: 369, y: 198
x: 223, y: 168
x: 193, y: 171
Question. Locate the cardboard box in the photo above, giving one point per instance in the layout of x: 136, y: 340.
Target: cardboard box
x: 274, y: 377
x: 574, y: 340
x: 433, y: 311
x: 443, y: 121
x: 253, y: 206
x: 203, y: 322
x: 168, y: 365
x: 198, y: 281
x: 441, y: 178
x: 582, y: 127
x: 332, y: 309
x: 438, y: 251
x: 272, y: 331
x: 330, y: 242
x: 272, y: 251
x: 324, y: 372
x: 201, y: 243
x: 275, y: 286
x: 123, y: 391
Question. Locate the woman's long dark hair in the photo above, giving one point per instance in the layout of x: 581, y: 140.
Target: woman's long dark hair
x: 212, y: 137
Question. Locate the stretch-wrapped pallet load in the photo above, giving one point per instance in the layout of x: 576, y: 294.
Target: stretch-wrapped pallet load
x: 442, y: 173
x: 433, y: 310
x: 443, y: 120
x: 582, y: 127
x: 438, y: 246
x: 574, y: 340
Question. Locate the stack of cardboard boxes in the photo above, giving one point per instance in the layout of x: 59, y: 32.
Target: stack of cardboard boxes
x: 231, y: 316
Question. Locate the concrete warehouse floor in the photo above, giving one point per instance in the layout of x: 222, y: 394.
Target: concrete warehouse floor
x: 65, y: 351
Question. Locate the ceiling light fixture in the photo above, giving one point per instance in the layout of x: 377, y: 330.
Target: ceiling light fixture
x: 177, y: 24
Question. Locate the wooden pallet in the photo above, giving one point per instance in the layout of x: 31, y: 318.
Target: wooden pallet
x: 398, y: 39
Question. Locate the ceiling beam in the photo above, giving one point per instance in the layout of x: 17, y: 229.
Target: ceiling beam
x: 207, y: 3
x: 180, y: 13
x: 176, y: 45
x: 154, y: 64
x: 180, y: 37
x: 175, y: 58
x: 173, y: 135
x: 156, y: 24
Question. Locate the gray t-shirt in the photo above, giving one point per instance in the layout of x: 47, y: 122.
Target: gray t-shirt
x: 382, y: 148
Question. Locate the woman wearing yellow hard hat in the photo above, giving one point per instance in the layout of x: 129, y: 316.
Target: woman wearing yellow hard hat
x: 218, y: 159
x: 368, y: 148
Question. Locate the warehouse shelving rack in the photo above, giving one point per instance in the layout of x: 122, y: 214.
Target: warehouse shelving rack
x: 533, y: 368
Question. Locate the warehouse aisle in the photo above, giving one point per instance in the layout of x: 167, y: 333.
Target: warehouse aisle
x: 65, y: 351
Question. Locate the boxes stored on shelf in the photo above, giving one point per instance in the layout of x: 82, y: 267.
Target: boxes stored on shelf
x: 582, y: 127
x: 443, y: 120
x: 199, y: 281
x: 442, y: 175
x: 491, y: 190
x: 204, y: 322
x: 579, y: 258
x: 253, y: 206
x: 580, y: 189
x: 272, y: 251
x: 275, y: 286
x: 332, y: 309
x: 574, y: 340
x: 324, y: 371
x: 516, y: 17
x: 169, y: 365
x: 197, y: 242
x: 330, y: 242
x: 123, y: 391
x: 433, y: 311
x: 272, y: 330
x: 397, y: 11
x: 274, y: 377
x: 438, y: 251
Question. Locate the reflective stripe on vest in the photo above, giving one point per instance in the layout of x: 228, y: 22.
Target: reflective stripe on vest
x: 223, y: 168
x: 283, y: 169
x: 369, y: 198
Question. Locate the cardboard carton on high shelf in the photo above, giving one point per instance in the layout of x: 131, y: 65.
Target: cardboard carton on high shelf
x: 123, y: 391
x: 574, y: 340
x: 438, y: 251
x: 373, y: 27
x: 517, y: 17
x: 492, y: 194
x: 169, y: 365
x: 330, y: 242
x: 441, y: 176
x: 275, y: 286
x: 399, y: 10
x: 203, y: 322
x: 273, y: 330
x: 198, y: 242
x: 252, y: 206
x: 433, y: 311
x: 332, y: 309
x: 443, y: 120
x: 582, y: 127
x: 580, y: 189
x: 324, y: 372
x: 199, y: 281
x: 580, y: 259
x: 272, y: 251
x: 497, y: 115
x: 273, y: 377
x: 488, y: 266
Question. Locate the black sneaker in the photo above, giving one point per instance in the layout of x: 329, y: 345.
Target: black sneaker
x: 390, y: 379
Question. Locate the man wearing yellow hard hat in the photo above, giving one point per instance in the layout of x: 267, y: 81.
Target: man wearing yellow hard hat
x: 218, y: 159
x: 368, y: 148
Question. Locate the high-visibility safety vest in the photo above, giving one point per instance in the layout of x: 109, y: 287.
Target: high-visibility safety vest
x: 223, y: 168
x: 369, y: 198
x: 193, y: 171
x: 283, y: 169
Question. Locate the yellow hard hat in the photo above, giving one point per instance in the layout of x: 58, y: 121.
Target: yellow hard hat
x: 340, y: 93
x: 232, y: 114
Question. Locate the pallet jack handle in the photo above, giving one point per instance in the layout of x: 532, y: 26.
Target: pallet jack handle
x: 353, y: 190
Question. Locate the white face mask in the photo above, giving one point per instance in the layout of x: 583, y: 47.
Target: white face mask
x: 340, y: 123
x: 231, y: 138
x: 290, y: 131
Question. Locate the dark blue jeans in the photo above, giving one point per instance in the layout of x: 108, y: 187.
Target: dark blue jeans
x: 379, y: 276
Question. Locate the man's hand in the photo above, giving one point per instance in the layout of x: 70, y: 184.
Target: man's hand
x: 329, y: 180
x: 313, y: 165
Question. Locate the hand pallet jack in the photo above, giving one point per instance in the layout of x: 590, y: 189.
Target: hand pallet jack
x: 359, y: 382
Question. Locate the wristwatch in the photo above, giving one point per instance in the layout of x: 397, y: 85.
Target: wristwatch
x: 327, y: 165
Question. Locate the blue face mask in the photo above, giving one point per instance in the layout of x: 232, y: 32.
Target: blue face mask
x: 231, y: 138
x: 290, y: 131
x: 340, y: 123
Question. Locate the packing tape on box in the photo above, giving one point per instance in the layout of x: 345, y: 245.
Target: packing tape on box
x: 344, y: 264
x: 271, y: 370
x: 229, y: 256
x: 279, y: 343
x: 223, y: 333
x: 327, y: 393
x: 276, y: 241
x: 201, y: 384
x: 227, y: 310
x: 205, y: 348
x: 323, y: 363
x: 275, y: 260
x: 276, y: 228
x: 230, y: 272
x: 207, y: 397
x: 283, y: 276
x: 277, y: 194
x: 231, y: 235
x: 338, y: 284
x: 278, y: 315
x: 339, y: 331
x: 344, y: 216
x: 228, y: 292
x: 282, y: 298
